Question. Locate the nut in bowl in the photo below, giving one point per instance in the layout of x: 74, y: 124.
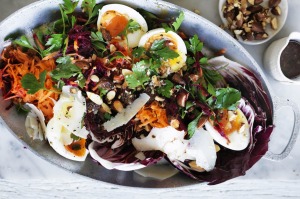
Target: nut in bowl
x: 253, y: 22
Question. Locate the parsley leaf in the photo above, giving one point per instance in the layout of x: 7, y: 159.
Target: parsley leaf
x: 166, y: 89
x: 158, y: 44
x: 139, y: 76
x: 74, y: 137
x: 131, y: 27
x: 65, y: 69
x: 32, y: 84
x: 138, y: 52
x: 192, y: 126
x: 159, y: 49
x: 194, y: 45
x: 88, y: 7
x: 212, y: 76
x: 177, y: 23
x: 98, y: 41
x: 166, y: 53
x: 69, y: 6
x: 55, y: 42
x: 24, y: 42
x: 227, y: 98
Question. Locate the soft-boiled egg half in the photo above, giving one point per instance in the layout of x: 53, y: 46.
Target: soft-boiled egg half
x: 115, y: 18
x: 170, y: 141
x: 231, y: 131
x: 173, y: 41
x: 65, y: 132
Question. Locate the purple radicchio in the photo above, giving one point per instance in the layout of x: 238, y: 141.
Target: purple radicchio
x: 256, y: 106
x: 114, y: 149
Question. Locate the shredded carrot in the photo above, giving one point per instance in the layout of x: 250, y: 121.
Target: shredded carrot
x: 153, y: 115
x: 19, y: 64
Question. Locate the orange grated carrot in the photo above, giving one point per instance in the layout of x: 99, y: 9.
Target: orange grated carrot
x: 19, y: 64
x: 153, y: 115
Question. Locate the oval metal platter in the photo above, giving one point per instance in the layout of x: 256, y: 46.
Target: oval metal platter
x: 33, y: 15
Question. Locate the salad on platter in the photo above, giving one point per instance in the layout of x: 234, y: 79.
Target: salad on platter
x: 130, y: 89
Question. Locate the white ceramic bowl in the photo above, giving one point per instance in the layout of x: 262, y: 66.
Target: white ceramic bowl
x: 281, y: 20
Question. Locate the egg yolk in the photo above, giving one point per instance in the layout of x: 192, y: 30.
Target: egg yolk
x: 114, y: 22
x: 230, y: 123
x: 77, y: 147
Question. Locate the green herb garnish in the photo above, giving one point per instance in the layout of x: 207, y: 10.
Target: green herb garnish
x: 165, y: 90
x: 32, y: 84
x: 192, y: 126
x: 139, y: 75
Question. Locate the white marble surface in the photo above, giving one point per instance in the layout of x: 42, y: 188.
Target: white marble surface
x: 21, y: 170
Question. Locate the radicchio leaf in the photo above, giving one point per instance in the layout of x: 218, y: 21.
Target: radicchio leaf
x: 114, y: 149
x: 257, y: 108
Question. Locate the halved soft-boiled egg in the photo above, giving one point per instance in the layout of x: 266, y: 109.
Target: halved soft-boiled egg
x: 231, y: 129
x: 116, y: 18
x: 173, y: 41
x: 65, y: 132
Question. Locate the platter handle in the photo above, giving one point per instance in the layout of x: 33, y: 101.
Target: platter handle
x: 279, y: 104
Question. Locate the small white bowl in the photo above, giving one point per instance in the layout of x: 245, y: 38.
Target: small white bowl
x: 281, y: 20
x: 272, y: 58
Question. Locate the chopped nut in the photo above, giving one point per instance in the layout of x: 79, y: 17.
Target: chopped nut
x: 111, y: 95
x: 159, y: 99
x: 274, y: 23
x: 195, y: 167
x: 250, y: 36
x: 105, y: 108
x: 274, y: 3
x: 95, y: 78
x: 257, y: 27
x: 174, y: 123
x: 203, y: 119
x: 251, y: 2
x: 238, y: 32
x: 112, y: 48
x: 255, y: 9
x: 94, y: 98
x: 217, y: 147
x: 276, y: 11
x: 182, y: 97
x: 239, y: 20
x: 261, y: 36
x: 126, y: 72
x: 118, y: 106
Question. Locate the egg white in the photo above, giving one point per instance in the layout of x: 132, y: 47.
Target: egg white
x: 160, y: 33
x: 237, y: 140
x: 171, y: 142
x: 68, y: 111
x: 59, y: 137
x: 132, y: 38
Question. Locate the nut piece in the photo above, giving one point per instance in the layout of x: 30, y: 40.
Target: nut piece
x: 276, y: 11
x: 274, y: 3
x: 217, y: 147
x: 118, y: 106
x: 105, y: 108
x: 255, y: 9
x: 182, y: 97
x: 111, y: 95
x: 261, y: 36
x: 174, y: 123
x: 202, y: 121
x: 195, y: 167
x: 274, y: 23
x: 95, y: 78
x: 257, y: 27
